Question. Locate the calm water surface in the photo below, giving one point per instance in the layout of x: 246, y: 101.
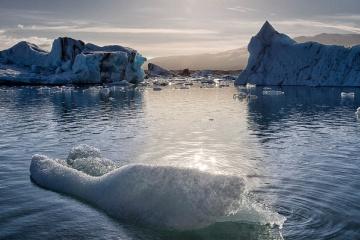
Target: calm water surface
x: 300, y: 153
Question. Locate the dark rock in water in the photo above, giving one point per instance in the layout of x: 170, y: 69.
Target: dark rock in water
x: 186, y: 73
x: 157, y: 88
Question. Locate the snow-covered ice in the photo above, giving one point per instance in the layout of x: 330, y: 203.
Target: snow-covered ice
x: 70, y: 61
x: 161, y: 196
x: 276, y: 59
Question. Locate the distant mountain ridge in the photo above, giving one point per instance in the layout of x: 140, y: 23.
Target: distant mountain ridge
x: 347, y: 40
x: 236, y: 59
x: 228, y: 60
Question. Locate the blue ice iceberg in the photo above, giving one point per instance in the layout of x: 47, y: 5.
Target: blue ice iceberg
x: 276, y: 59
x: 70, y: 61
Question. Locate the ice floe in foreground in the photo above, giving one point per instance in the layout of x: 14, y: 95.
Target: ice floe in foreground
x: 70, y: 61
x: 358, y: 113
x: 160, y: 196
x: 276, y: 59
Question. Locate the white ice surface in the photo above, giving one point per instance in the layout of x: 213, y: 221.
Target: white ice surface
x: 160, y: 196
x: 276, y: 59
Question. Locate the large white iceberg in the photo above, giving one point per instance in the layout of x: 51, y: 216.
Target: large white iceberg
x: 156, y: 195
x: 276, y: 59
x: 70, y: 61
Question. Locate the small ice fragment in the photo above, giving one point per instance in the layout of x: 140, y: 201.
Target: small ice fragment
x: 240, y: 95
x: 105, y: 92
x: 161, y: 82
x: 252, y: 97
x: 348, y: 95
x: 183, y: 87
x: 249, y: 85
x: 272, y: 93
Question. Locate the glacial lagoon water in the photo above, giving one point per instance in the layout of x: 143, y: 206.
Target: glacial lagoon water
x: 297, y: 148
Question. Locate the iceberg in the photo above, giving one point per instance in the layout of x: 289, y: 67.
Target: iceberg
x: 159, y: 196
x: 272, y: 92
x: 157, y: 71
x: 276, y: 59
x: 347, y: 95
x: 70, y: 61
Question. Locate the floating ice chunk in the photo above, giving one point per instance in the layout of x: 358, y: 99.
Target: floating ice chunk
x: 155, y: 70
x: 223, y: 84
x: 156, y: 195
x: 161, y: 196
x: 272, y: 93
x: 203, y: 73
x: 252, y: 97
x: 161, y: 82
x: 229, y: 78
x: 208, y: 81
x: 245, y: 96
x: 358, y: 112
x: 105, y: 92
x: 249, y: 86
x: 240, y: 96
x: 348, y: 95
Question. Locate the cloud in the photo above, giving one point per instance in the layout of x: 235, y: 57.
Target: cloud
x: 242, y: 9
x: 107, y: 29
x: 319, y: 24
x: 7, y: 41
x: 351, y: 17
x: 143, y: 30
x: 50, y: 28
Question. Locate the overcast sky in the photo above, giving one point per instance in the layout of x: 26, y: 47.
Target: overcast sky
x: 171, y: 27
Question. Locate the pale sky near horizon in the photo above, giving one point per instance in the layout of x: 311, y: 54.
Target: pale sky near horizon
x: 167, y: 27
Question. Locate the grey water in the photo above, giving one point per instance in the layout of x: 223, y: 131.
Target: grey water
x: 299, y: 151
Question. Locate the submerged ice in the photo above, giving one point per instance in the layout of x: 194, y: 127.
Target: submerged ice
x: 70, y: 61
x: 161, y: 196
x: 276, y: 59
